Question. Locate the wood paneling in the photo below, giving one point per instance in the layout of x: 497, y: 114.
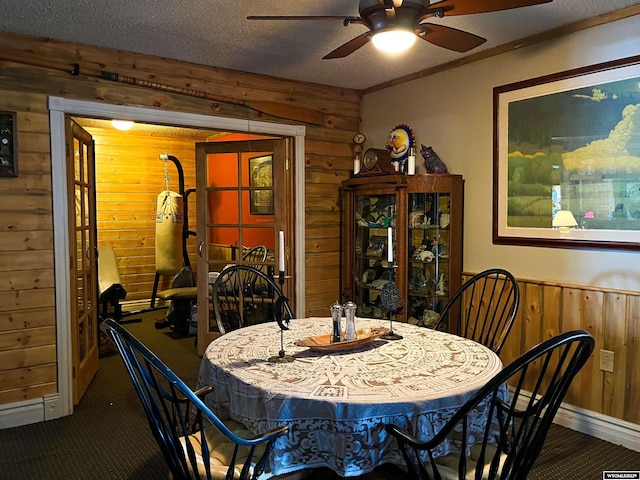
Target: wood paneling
x: 612, y: 317
x: 130, y: 175
x: 127, y: 220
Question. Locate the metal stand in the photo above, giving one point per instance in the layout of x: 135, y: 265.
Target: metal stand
x: 390, y: 300
x: 282, y: 356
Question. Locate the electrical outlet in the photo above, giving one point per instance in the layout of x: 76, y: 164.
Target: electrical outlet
x: 606, y: 361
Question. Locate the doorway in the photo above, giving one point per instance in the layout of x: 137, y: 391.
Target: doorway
x: 62, y: 404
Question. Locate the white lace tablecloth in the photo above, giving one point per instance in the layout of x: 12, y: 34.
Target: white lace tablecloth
x: 336, y: 403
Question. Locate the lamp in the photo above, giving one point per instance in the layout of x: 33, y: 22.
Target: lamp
x: 393, y: 40
x: 122, y: 124
x: 564, y: 220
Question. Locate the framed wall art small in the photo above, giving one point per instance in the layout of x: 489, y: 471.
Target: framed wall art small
x: 261, y: 184
x: 8, y: 145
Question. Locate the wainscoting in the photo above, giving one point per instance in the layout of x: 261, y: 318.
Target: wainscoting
x: 612, y: 317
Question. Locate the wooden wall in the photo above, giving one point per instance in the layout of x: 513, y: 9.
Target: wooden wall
x: 27, y: 296
x: 129, y: 176
x: 547, y: 309
x: 33, y: 68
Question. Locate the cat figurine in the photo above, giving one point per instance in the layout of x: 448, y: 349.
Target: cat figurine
x: 432, y: 161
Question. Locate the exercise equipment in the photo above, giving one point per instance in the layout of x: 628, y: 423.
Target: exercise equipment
x: 110, y: 286
x: 171, y: 234
x: 169, y: 222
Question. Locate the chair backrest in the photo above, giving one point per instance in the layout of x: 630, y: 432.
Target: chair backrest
x: 492, y: 298
x: 194, y: 441
x: 506, y: 447
x: 244, y: 295
x: 256, y: 256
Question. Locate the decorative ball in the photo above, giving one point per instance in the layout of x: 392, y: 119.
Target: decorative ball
x: 390, y: 297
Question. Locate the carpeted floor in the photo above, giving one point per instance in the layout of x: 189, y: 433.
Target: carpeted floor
x: 108, y: 436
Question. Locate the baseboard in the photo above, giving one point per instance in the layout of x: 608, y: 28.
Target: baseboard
x: 17, y: 414
x: 610, y: 429
x: 21, y: 413
x: 604, y: 427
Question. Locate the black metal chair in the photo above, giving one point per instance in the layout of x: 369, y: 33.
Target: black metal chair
x: 256, y: 256
x: 506, y: 447
x: 194, y: 441
x: 244, y: 295
x: 492, y: 297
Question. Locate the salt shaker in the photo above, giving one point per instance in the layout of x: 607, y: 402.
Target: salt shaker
x: 336, y: 315
x: 350, y: 314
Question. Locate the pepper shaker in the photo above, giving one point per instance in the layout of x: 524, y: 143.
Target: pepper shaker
x: 336, y: 315
x: 350, y: 314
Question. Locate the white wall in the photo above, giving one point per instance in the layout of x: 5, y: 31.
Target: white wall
x: 452, y: 111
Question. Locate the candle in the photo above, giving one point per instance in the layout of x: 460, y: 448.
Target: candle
x: 356, y: 164
x: 411, y: 162
x: 281, y: 251
x: 390, y: 245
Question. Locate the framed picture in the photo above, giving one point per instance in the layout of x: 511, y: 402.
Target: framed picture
x: 567, y: 159
x: 8, y: 145
x: 261, y: 185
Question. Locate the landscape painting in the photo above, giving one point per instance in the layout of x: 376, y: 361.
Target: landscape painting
x: 569, y: 142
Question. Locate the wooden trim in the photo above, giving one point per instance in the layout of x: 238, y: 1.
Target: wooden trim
x: 58, y: 107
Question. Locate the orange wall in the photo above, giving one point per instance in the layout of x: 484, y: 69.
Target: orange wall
x: 223, y: 206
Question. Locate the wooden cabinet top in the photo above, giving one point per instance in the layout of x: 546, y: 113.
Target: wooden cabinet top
x: 426, y: 182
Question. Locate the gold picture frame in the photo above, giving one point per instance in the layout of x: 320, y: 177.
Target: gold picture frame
x: 261, y: 185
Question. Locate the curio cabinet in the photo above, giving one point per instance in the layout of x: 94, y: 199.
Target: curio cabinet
x: 422, y: 214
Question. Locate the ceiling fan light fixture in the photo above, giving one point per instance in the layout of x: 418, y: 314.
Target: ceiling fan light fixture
x: 393, y: 40
x: 122, y: 124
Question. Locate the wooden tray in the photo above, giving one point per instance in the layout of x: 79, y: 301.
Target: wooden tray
x: 322, y: 343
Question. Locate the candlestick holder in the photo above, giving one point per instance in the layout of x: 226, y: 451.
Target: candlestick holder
x: 390, y: 301
x: 282, y: 316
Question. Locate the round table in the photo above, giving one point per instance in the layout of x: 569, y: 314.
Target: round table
x: 336, y: 402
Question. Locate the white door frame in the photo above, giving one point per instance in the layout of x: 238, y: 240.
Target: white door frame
x: 62, y: 404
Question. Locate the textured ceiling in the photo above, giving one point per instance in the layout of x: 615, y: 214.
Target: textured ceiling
x: 216, y: 33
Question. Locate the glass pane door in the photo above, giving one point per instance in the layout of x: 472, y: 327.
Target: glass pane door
x: 242, y: 195
x: 373, y: 215
x: 84, y: 288
x: 428, y: 251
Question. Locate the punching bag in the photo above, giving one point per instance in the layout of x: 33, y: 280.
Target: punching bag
x: 169, y: 221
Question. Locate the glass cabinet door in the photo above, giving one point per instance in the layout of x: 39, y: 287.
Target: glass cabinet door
x: 428, y: 256
x: 373, y: 217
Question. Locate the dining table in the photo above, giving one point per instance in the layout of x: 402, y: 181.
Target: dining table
x: 337, y: 398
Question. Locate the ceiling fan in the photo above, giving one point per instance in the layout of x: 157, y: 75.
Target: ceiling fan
x: 408, y: 17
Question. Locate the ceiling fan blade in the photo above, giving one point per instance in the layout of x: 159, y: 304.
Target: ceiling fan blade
x: 466, y: 7
x: 449, y: 37
x: 349, y: 47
